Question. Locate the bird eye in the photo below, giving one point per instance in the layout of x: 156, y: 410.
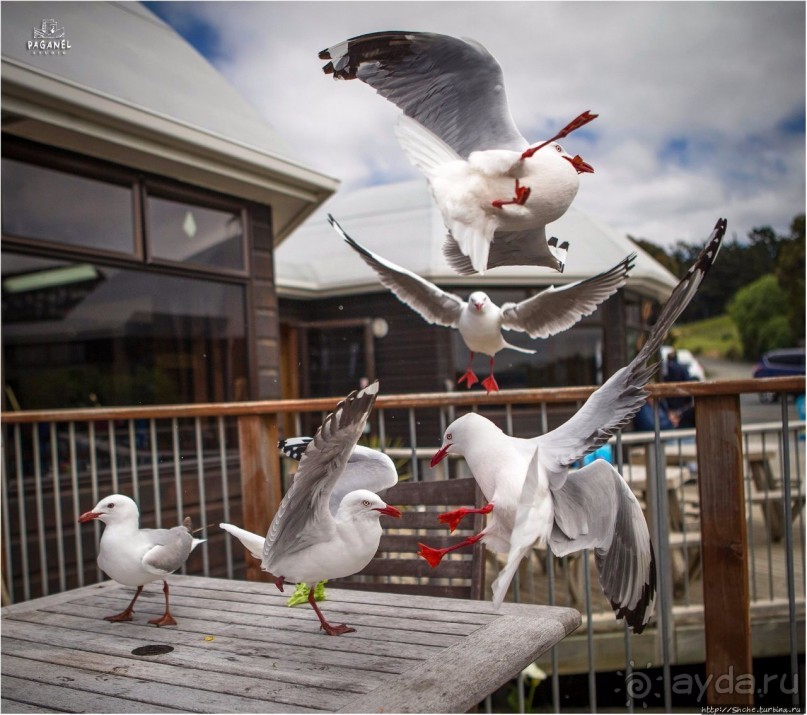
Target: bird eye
x: 449, y: 436
x: 365, y: 502
x: 111, y: 505
x: 558, y: 148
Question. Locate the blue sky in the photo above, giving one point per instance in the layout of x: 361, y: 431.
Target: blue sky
x: 701, y: 104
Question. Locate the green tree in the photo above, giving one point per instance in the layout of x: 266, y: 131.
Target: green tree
x: 759, y: 310
x: 790, y: 267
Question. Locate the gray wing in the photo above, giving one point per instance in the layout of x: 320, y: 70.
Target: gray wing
x: 453, y: 87
x: 434, y: 305
x: 171, y: 549
x: 303, y: 516
x: 509, y: 248
x: 557, y: 309
x: 615, y: 403
x: 595, y: 509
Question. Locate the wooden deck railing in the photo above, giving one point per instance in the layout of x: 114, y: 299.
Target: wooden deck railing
x: 33, y: 452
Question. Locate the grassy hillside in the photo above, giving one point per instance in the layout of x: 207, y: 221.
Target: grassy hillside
x: 713, y: 337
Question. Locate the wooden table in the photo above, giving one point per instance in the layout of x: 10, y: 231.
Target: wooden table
x: 238, y: 648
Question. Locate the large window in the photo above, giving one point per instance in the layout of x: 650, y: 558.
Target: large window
x: 118, y: 289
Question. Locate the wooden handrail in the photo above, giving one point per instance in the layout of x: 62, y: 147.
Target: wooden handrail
x: 433, y: 399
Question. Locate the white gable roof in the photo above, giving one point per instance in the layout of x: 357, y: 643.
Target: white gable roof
x: 401, y: 223
x: 131, y: 90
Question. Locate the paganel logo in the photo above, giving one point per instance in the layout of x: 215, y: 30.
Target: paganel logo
x: 49, y: 39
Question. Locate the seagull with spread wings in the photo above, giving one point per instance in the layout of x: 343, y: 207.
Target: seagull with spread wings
x: 480, y: 321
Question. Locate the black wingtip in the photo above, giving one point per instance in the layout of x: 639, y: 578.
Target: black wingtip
x: 638, y: 617
x: 294, y: 447
x: 707, y: 256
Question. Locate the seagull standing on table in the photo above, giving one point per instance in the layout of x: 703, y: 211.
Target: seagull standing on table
x: 480, y: 321
x: 533, y: 497
x: 133, y: 556
x: 495, y: 190
x: 306, y: 542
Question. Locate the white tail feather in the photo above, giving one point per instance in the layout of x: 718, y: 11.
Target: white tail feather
x: 252, y: 542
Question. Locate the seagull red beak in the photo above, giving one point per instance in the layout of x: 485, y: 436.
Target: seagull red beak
x: 390, y: 511
x: 88, y: 516
x: 580, y: 165
x: 440, y: 455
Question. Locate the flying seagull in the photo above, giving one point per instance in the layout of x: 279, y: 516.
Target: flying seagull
x: 306, y: 542
x: 480, y: 321
x: 534, y: 498
x: 495, y: 190
x: 133, y: 556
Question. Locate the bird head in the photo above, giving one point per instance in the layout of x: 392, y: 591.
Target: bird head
x: 112, y: 509
x: 461, y: 434
x: 478, y: 301
x: 363, y: 502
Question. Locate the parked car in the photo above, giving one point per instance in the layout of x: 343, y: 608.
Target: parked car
x: 779, y: 363
x: 685, y: 358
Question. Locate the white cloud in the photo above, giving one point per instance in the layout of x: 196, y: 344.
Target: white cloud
x: 719, y: 76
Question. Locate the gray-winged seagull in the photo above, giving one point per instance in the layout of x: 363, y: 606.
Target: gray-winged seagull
x: 133, y: 556
x: 533, y: 497
x: 305, y: 541
x: 480, y: 321
x: 495, y: 190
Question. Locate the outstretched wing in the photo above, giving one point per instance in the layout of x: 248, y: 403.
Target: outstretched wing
x: 434, y: 305
x: 303, y: 516
x: 595, y: 509
x: 557, y: 309
x: 453, y: 87
x: 614, y: 404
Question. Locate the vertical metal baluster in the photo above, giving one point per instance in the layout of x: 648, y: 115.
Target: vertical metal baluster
x: 96, y: 527
x: 620, y: 464
x: 382, y: 431
x: 177, y: 470
x: 155, y: 473
x: 26, y: 580
x: 508, y: 413
x: 8, y: 576
x: 791, y: 577
x: 592, y: 673
x: 553, y: 653
x: 133, y: 461
x: 77, y: 511
x: 797, y: 460
x: 768, y: 541
x: 750, y: 519
x: 113, y: 457
x: 413, y: 440
x: 57, y: 506
x: 200, y: 475
x: 225, y: 492
x: 40, y: 510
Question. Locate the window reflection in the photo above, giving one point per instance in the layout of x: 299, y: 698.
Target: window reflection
x: 65, y: 208
x: 118, y: 337
x: 187, y: 233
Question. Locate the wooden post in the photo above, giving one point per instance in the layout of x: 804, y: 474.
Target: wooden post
x: 261, y: 490
x: 724, y: 544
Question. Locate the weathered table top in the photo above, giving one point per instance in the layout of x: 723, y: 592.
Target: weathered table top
x: 238, y: 648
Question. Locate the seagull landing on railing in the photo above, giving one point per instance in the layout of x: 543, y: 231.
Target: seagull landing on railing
x: 495, y: 191
x: 533, y: 497
x: 480, y: 321
x: 133, y: 556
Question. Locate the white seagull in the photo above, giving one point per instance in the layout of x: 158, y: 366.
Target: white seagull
x: 133, y: 556
x: 306, y: 542
x: 480, y: 321
x: 533, y: 497
x: 495, y: 190
x: 365, y: 469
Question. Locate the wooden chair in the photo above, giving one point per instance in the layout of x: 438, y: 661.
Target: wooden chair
x: 396, y: 566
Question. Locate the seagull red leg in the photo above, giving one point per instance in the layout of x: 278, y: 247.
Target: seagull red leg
x: 521, y: 194
x: 489, y: 383
x: 453, y: 518
x: 279, y: 583
x: 127, y: 614
x: 469, y: 377
x: 435, y: 556
x: 327, y: 627
x: 166, y: 619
